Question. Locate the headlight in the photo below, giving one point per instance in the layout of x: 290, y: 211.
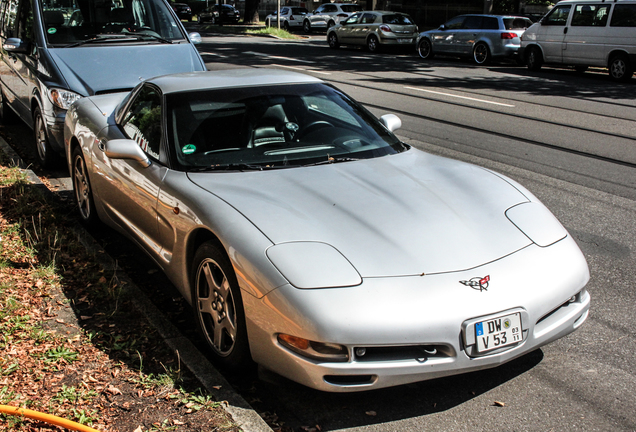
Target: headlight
x: 314, y: 350
x: 63, y: 98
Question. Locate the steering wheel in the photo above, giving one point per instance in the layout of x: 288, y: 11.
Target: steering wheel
x: 313, y: 126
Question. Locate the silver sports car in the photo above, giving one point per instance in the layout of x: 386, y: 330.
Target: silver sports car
x: 311, y: 240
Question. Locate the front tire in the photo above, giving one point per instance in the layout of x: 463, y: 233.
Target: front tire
x: 481, y: 54
x: 534, y: 60
x: 45, y: 154
x: 218, y: 305
x: 82, y: 189
x: 332, y: 40
x: 619, y: 68
x: 425, y: 49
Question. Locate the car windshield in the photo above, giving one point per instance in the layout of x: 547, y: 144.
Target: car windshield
x: 76, y: 22
x: 351, y: 8
x: 272, y: 127
x: 397, y: 19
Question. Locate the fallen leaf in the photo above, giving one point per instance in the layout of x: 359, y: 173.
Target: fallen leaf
x: 113, y: 390
x: 139, y: 429
x: 371, y: 413
x: 499, y: 404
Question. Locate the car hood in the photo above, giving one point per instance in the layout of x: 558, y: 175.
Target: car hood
x: 405, y: 214
x: 93, y: 69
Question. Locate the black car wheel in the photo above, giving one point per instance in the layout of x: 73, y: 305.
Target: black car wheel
x: 332, y: 40
x: 218, y: 305
x: 45, y: 154
x: 286, y: 26
x: 82, y: 189
x: 307, y: 26
x: 481, y: 54
x: 425, y: 49
x: 330, y: 24
x: 619, y: 68
x: 373, y: 45
x: 534, y: 60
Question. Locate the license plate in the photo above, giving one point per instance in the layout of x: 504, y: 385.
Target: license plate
x: 405, y: 40
x: 498, y: 332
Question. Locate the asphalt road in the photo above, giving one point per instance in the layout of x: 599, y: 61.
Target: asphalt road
x: 569, y: 138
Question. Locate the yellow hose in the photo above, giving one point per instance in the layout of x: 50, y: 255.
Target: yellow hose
x: 48, y: 418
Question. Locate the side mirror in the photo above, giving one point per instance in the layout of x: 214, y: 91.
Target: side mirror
x: 126, y: 149
x: 15, y: 45
x: 442, y: 27
x: 195, y: 38
x: 391, y: 122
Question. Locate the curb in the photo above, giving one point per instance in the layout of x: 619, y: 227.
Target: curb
x: 242, y: 413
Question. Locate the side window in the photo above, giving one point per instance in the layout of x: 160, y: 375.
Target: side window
x: 284, y: 11
x: 624, y: 15
x: 455, y: 23
x: 331, y: 8
x: 353, y: 19
x: 9, y: 16
x: 367, y: 18
x: 472, y: 22
x: 142, y: 122
x: 490, y: 23
x: 25, y: 23
x: 590, y: 15
x: 558, y: 16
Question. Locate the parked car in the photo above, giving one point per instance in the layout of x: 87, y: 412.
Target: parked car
x: 595, y: 34
x: 309, y: 239
x: 183, y: 11
x: 374, y: 29
x: 328, y: 15
x: 220, y: 14
x: 482, y: 37
x: 291, y: 17
x: 52, y: 57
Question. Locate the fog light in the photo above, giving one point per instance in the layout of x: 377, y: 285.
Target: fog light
x: 314, y: 350
x: 361, y: 351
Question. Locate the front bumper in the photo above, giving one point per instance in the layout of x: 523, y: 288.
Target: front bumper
x: 415, y: 326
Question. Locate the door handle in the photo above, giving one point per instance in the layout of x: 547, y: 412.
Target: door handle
x: 101, y: 145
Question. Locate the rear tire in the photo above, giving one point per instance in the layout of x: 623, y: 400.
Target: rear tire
x: 481, y: 54
x: 619, y: 68
x: 373, y: 45
x: 534, y: 60
x: 425, y: 49
x: 286, y: 26
x: 307, y: 26
x: 330, y: 24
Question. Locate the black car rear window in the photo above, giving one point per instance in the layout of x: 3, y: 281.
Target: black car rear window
x: 624, y: 16
x: 517, y: 23
x: 397, y: 19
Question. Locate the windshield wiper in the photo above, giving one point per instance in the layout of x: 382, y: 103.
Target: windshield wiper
x: 333, y: 160
x: 230, y: 167
x: 118, y: 37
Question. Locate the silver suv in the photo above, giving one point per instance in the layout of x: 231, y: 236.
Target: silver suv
x: 481, y: 37
x: 328, y: 15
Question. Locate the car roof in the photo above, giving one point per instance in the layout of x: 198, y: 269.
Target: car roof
x: 248, y: 77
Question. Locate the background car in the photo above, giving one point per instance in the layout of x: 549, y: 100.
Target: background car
x: 291, y: 17
x: 328, y: 15
x: 220, y: 14
x: 374, y: 29
x: 182, y: 10
x: 308, y: 238
x: 482, y: 37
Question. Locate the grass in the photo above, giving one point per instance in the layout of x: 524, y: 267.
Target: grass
x: 254, y: 30
x: 71, y: 343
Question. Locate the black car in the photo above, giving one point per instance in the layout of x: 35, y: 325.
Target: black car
x: 183, y: 11
x: 218, y: 14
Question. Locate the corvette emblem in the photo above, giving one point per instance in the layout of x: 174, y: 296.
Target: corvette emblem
x: 477, y: 283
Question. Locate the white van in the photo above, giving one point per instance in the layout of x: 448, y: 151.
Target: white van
x: 583, y: 33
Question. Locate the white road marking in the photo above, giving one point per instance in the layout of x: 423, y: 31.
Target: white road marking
x: 302, y: 69
x: 279, y: 57
x: 460, y: 97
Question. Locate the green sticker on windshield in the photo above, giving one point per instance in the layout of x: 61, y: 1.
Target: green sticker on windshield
x: 189, y: 149
x: 52, y: 30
